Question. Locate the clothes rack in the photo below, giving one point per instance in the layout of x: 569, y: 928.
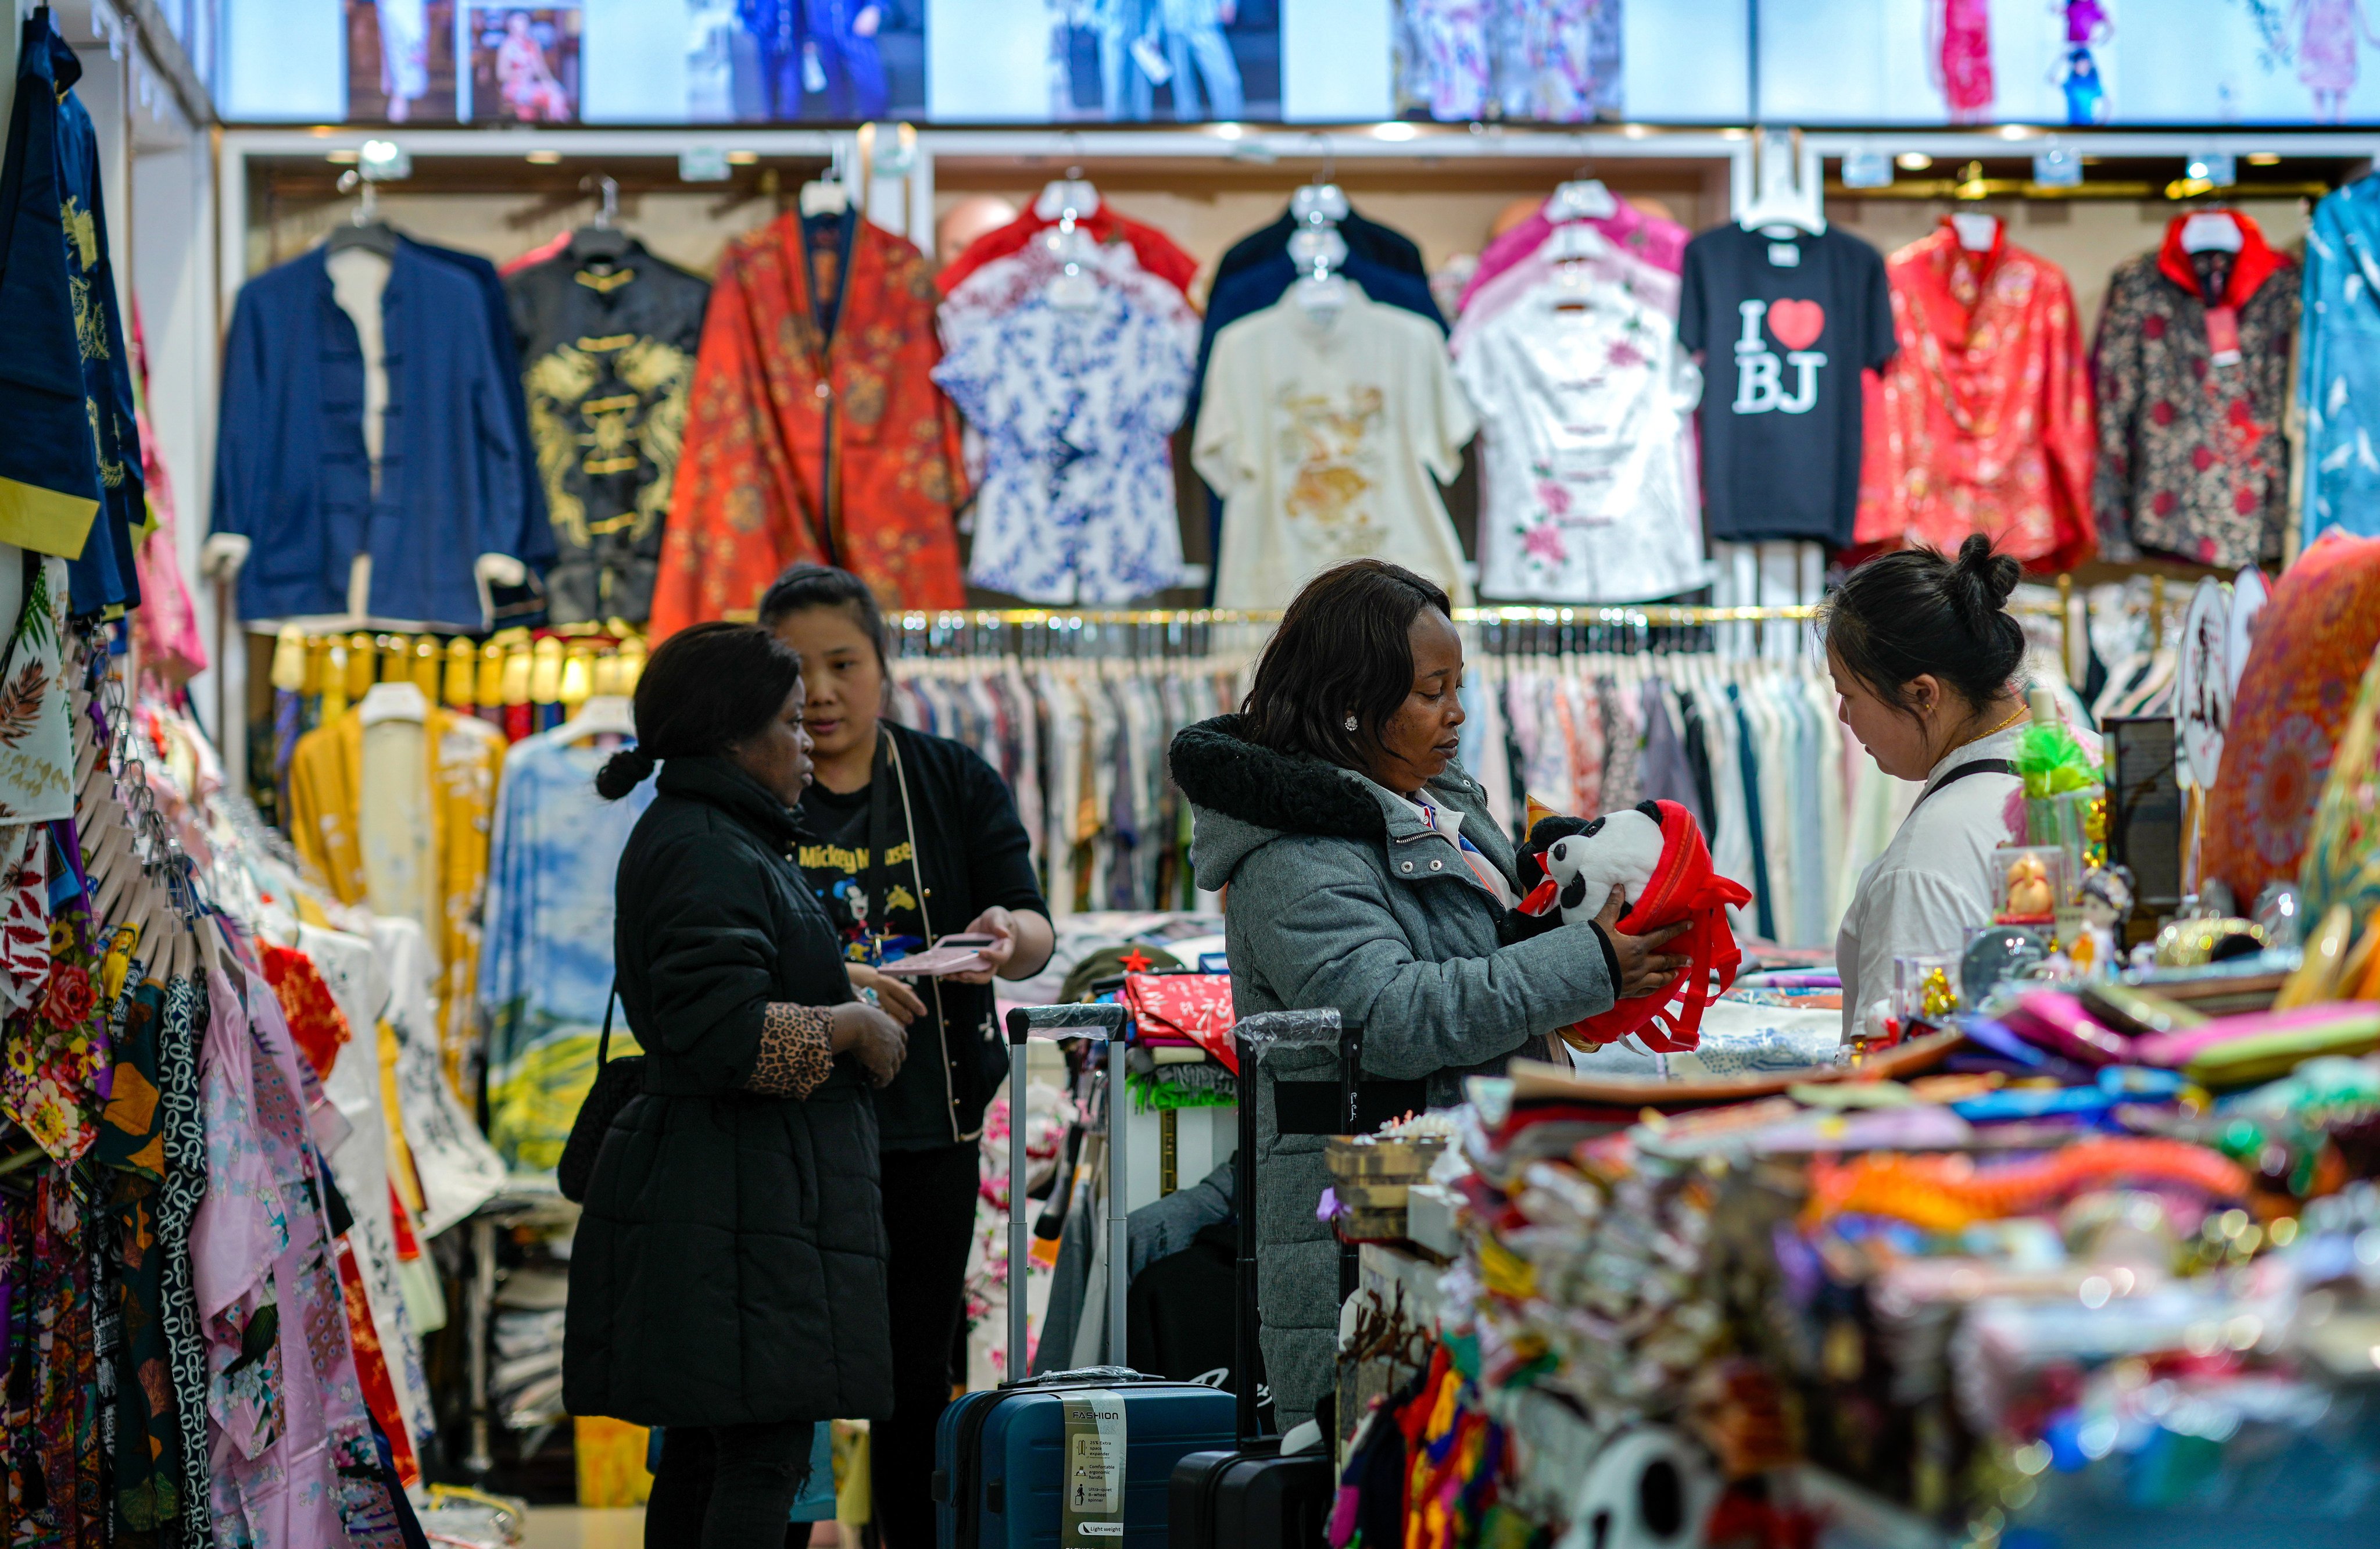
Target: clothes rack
x: 917, y: 630
x: 519, y: 683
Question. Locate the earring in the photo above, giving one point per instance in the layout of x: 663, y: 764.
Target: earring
x: 1350, y: 723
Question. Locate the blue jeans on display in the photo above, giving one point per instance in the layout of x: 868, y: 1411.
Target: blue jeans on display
x: 1125, y: 94
x: 1215, y: 65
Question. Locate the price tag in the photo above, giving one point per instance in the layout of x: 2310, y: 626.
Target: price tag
x: 2223, y: 334
x: 1785, y: 255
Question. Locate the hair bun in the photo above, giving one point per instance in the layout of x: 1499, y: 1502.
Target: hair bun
x: 1992, y: 575
x: 623, y: 772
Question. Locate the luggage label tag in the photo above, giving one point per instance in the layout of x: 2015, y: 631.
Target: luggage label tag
x: 1092, y: 1448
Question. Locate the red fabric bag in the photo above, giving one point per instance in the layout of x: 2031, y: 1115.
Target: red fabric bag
x: 1196, y: 1007
x: 1683, y: 887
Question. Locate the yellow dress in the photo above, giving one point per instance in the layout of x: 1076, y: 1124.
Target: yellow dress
x: 463, y: 758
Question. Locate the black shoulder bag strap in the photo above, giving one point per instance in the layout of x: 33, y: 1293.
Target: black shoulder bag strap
x: 1981, y: 766
x: 604, y: 1045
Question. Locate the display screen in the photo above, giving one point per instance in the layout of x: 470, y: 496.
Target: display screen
x: 2070, y: 62
x: 665, y: 62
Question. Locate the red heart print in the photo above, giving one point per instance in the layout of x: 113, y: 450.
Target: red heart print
x: 1797, y: 324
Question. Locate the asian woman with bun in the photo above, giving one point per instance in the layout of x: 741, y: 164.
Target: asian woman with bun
x: 1925, y: 655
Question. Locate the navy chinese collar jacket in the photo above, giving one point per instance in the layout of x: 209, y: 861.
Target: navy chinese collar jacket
x: 69, y: 446
x: 291, y: 472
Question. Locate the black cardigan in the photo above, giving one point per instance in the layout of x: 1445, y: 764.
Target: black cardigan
x: 972, y: 855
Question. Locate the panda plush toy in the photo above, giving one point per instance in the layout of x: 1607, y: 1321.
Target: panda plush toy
x: 1582, y: 859
x: 1655, y: 854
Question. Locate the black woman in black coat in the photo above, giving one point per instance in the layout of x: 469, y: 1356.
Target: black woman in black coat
x: 728, y: 1276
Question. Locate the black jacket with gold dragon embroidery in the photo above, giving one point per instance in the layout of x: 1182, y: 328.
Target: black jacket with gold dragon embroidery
x: 607, y: 334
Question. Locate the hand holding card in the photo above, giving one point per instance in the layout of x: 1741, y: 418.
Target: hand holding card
x: 960, y: 954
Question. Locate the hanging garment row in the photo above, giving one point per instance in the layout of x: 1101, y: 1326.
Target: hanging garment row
x: 389, y: 790
x: 1637, y: 392
x: 516, y: 683
x: 1081, y: 742
x: 179, y: 1367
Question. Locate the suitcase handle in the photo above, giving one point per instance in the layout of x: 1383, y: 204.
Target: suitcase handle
x: 1255, y: 1036
x: 1090, y: 1021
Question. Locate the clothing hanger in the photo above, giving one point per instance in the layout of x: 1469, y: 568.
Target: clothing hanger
x: 365, y: 230
x: 397, y: 701
x: 1070, y: 198
x: 1571, y: 248
x: 1582, y: 198
x: 2215, y: 228
x: 826, y: 195
x: 1320, y: 291
x: 1321, y: 201
x: 601, y: 239
x: 602, y: 715
x: 1976, y: 230
x: 1781, y: 202
x: 1073, y: 289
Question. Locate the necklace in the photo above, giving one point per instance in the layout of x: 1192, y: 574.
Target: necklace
x: 2014, y: 716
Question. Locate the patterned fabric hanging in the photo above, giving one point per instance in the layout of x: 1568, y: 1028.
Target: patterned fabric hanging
x: 146, y: 1495
x: 2342, y: 855
x: 183, y: 1133
x: 51, y: 1080
x: 2287, y: 717
x: 52, y: 1486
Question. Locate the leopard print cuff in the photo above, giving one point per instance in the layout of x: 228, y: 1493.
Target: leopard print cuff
x: 796, y: 1051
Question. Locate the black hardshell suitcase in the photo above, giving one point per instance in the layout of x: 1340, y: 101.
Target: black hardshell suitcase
x: 1252, y: 1497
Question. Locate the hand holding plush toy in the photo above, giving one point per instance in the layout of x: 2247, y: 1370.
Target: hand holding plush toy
x: 1653, y: 853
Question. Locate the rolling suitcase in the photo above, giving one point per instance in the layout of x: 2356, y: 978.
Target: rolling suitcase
x: 1251, y: 1496
x: 1069, y: 1459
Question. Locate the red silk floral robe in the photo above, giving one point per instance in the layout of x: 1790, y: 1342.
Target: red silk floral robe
x: 1982, y: 421
x: 807, y: 443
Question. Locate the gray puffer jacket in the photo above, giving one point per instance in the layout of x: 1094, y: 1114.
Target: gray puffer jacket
x: 1341, y: 896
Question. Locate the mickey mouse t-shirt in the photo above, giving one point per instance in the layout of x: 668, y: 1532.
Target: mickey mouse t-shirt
x: 1785, y: 325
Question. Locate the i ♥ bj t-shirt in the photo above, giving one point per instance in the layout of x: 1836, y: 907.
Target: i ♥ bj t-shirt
x: 1785, y: 323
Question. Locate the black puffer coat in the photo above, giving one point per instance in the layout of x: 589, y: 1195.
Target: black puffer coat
x: 729, y: 1268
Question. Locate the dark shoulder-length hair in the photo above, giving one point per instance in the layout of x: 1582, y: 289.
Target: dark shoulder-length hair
x: 1343, y: 649
x: 704, y: 690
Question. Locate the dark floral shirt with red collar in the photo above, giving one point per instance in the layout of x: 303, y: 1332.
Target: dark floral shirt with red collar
x: 2194, y: 461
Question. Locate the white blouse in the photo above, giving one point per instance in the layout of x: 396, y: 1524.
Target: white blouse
x: 1933, y: 881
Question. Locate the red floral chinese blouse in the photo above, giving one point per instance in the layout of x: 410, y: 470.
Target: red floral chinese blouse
x: 1981, y: 422
x: 2193, y: 457
x: 814, y: 430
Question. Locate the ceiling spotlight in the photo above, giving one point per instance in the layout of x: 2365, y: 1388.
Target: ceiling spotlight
x: 2263, y: 158
x: 1914, y: 160
x: 1393, y: 131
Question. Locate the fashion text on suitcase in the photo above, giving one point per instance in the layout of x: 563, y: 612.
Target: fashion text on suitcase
x: 1252, y: 1497
x: 1078, y: 1459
